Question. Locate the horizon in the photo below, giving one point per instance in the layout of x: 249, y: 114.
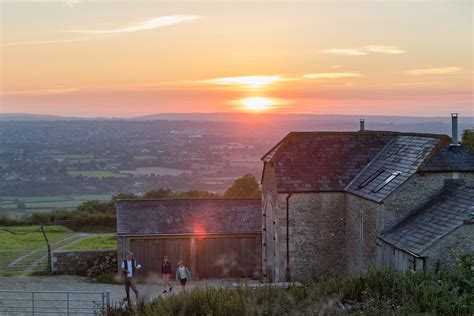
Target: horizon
x: 250, y: 114
x: 102, y: 59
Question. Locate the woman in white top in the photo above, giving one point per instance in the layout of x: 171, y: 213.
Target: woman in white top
x: 182, y: 274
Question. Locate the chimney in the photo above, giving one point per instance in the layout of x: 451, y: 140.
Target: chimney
x: 362, y: 125
x: 454, y: 126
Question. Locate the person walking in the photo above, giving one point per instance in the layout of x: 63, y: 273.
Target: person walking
x: 129, y: 268
x: 182, y: 274
x: 166, y: 275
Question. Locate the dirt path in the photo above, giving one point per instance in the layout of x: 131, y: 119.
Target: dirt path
x: 147, y: 290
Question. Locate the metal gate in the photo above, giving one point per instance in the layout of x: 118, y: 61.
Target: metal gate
x: 19, y: 303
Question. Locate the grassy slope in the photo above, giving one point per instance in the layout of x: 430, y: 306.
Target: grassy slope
x: 106, y: 241
x: 30, y: 237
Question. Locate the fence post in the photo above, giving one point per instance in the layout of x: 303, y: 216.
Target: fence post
x: 107, y: 296
x: 33, y: 303
x: 67, y: 299
x: 103, y: 302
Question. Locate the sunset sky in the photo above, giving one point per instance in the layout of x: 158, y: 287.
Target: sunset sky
x: 131, y: 58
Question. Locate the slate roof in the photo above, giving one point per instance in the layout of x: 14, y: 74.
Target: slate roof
x: 421, y: 228
x: 188, y: 216
x: 307, y: 162
x: 395, y: 163
x: 450, y: 158
x: 329, y: 161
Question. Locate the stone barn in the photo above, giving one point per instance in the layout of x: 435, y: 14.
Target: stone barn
x: 216, y: 238
x: 329, y: 196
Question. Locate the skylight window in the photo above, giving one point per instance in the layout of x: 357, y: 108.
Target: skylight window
x: 371, y: 178
x: 386, y: 181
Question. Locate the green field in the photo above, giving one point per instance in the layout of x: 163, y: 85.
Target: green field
x: 47, y: 203
x: 30, y: 237
x: 143, y: 157
x: 96, y: 174
x: 106, y: 241
x: 24, y: 250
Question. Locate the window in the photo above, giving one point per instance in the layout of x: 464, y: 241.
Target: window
x: 371, y: 178
x: 386, y: 181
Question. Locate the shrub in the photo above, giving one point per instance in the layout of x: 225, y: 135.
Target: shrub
x: 449, y: 291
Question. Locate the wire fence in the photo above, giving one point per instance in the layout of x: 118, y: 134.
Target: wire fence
x: 16, y: 303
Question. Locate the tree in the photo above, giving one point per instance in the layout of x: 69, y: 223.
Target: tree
x: 247, y: 186
x: 161, y: 193
x: 193, y: 194
x: 468, y: 139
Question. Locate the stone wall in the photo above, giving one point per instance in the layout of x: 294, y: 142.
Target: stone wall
x: 317, y: 235
x: 90, y: 263
x: 363, y: 224
x: 448, y: 248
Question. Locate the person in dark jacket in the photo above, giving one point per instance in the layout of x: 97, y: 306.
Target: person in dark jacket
x: 129, y: 267
x: 166, y: 275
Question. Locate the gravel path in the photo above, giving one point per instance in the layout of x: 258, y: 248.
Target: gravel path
x: 147, y: 290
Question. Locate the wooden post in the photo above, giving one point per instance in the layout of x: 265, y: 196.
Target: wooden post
x: 50, y: 268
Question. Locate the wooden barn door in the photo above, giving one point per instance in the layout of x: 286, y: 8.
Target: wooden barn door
x: 149, y: 252
x: 228, y: 257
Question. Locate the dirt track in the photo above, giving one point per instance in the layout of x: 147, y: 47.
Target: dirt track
x: 147, y: 290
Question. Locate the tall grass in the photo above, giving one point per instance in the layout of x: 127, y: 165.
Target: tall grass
x: 449, y: 291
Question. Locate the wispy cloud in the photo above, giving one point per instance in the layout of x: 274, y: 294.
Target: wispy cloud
x: 332, y: 75
x: 249, y: 81
x: 383, y: 49
x: 90, y: 34
x: 345, y: 51
x: 143, y: 25
x: 432, y: 71
x: 364, y: 50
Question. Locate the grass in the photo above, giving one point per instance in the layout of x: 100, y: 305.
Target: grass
x: 30, y: 237
x: 27, y: 243
x: 449, y: 291
x: 107, y: 241
x: 96, y: 174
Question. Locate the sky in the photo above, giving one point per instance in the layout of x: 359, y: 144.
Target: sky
x: 130, y: 58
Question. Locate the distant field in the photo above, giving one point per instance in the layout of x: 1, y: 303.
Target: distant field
x: 105, y: 241
x: 159, y: 171
x: 95, y: 174
x: 46, y: 203
x: 143, y: 157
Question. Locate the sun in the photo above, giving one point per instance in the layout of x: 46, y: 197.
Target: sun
x: 257, y: 104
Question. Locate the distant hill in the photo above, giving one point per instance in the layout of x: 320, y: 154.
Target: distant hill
x: 283, y: 122
x: 44, y: 117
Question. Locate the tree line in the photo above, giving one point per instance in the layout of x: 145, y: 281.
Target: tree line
x: 99, y: 216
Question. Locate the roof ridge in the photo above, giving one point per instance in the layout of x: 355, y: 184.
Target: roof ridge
x: 193, y: 199
x: 369, y: 132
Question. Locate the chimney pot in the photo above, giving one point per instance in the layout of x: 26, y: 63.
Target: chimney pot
x: 362, y: 125
x: 454, y: 126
